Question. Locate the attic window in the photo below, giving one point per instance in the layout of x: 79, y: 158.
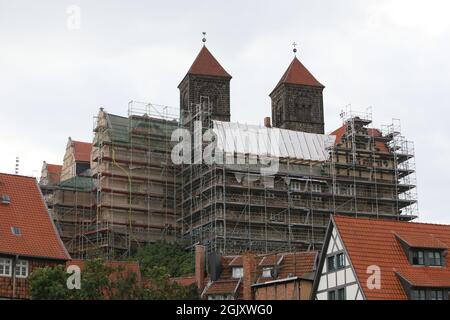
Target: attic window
x: 6, y: 199
x: 267, y: 272
x: 16, y: 231
x: 238, y: 272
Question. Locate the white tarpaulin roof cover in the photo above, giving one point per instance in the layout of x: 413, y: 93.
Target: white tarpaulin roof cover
x: 233, y: 137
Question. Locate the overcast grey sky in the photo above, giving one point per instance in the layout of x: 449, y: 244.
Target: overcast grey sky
x: 391, y: 55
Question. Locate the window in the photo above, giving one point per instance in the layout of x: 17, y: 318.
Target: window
x: 341, y: 294
x: 16, y: 231
x: 330, y: 264
x: 418, y: 294
x: 238, y: 272
x: 434, y: 258
x: 267, y: 272
x: 340, y: 263
x: 418, y: 258
x: 331, y: 295
x: 427, y: 258
x: 295, y: 185
x: 6, y: 199
x: 5, y: 267
x: 436, y: 295
x: 22, y: 269
x: 316, y: 187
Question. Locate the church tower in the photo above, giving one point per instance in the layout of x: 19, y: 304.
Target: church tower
x: 297, y: 101
x: 206, y: 80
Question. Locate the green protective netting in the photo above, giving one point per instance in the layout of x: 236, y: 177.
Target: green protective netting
x: 80, y: 183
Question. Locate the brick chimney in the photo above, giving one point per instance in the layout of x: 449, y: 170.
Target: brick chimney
x: 267, y: 123
x: 200, y: 266
x: 249, y: 265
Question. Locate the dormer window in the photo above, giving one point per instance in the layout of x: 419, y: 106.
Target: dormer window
x: 427, y: 258
x: 267, y: 272
x: 418, y: 258
x: 238, y: 272
x: 434, y: 258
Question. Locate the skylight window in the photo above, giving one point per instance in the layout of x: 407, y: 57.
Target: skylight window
x: 6, y: 199
x: 16, y: 231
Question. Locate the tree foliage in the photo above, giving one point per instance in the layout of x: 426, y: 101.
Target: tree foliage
x: 98, y: 281
x: 176, y: 261
x: 158, y: 262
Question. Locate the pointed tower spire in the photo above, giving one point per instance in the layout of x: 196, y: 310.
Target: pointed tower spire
x: 206, y: 78
x: 297, y: 101
x: 205, y: 64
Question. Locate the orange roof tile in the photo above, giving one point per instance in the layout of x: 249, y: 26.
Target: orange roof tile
x: 54, y: 173
x: 341, y: 131
x: 184, y: 281
x: 297, y: 73
x: 206, y: 65
x: 127, y: 267
x: 82, y: 151
x: 223, y: 286
x: 374, y: 242
x: 236, y: 262
x: 28, y: 212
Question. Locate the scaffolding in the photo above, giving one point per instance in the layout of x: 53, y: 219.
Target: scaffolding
x: 134, y: 179
x: 140, y: 196
x: 231, y: 209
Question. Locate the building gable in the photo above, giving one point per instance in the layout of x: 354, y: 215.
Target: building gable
x: 341, y: 276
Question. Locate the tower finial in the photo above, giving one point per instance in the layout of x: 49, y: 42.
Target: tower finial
x: 204, y: 37
x: 295, y: 48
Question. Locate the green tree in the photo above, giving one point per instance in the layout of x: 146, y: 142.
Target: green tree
x: 176, y: 261
x: 49, y: 283
x: 98, y: 281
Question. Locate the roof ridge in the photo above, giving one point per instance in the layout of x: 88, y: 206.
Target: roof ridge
x: 394, y: 221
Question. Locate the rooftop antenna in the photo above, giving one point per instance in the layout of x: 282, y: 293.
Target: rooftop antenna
x: 295, y: 48
x: 204, y: 37
x: 16, y: 171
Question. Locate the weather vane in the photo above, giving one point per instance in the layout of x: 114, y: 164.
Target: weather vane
x: 204, y: 37
x: 295, y: 48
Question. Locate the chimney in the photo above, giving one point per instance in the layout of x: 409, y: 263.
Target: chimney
x: 200, y: 266
x: 267, y: 123
x: 248, y: 263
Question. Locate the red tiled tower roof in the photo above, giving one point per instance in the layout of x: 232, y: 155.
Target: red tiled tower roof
x: 377, y: 242
x: 206, y: 65
x: 54, y: 173
x: 297, y: 73
x: 82, y: 151
x: 27, y: 212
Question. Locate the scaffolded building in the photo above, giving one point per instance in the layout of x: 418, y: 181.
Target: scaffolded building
x: 134, y: 179
x: 138, y: 195
x: 358, y: 171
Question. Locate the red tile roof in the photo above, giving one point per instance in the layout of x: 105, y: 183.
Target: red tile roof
x: 297, y: 73
x: 223, y: 286
x: 28, y: 212
x: 374, y: 242
x: 421, y: 240
x: 206, y: 65
x: 82, y: 151
x: 54, y: 173
x: 288, y: 265
x: 184, y: 281
x: 341, y: 131
x: 127, y: 267
x: 236, y: 262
